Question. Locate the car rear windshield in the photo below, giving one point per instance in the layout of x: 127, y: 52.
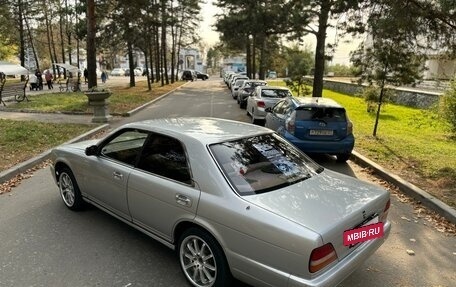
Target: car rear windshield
x: 255, y: 84
x: 271, y: 93
x: 262, y: 163
x: 321, y: 113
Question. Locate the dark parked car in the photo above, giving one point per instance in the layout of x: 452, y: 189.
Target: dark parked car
x: 315, y: 125
x: 188, y: 75
x: 202, y: 76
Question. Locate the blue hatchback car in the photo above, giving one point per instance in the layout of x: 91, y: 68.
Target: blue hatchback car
x: 314, y: 125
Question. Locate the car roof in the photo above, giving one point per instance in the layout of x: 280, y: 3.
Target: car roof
x: 272, y: 88
x: 316, y: 102
x: 205, y: 130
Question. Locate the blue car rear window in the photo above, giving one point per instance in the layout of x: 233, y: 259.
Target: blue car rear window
x: 318, y: 113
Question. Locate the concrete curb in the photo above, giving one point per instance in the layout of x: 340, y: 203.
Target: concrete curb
x: 411, y: 190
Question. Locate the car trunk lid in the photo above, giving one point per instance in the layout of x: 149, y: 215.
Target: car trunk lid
x: 320, y: 123
x: 326, y: 203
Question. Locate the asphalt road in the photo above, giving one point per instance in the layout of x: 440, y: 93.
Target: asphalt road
x: 42, y: 243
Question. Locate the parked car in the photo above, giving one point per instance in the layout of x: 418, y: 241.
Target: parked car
x: 235, y: 78
x: 240, y: 202
x: 236, y: 85
x: 247, y: 89
x: 315, y: 125
x: 264, y: 97
x: 202, y: 76
x: 188, y: 75
x: 117, y: 72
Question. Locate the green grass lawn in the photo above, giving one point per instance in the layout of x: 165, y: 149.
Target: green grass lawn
x: 21, y: 140
x: 123, y: 99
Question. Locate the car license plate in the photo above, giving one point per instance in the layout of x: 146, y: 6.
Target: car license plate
x: 370, y: 230
x: 321, y: 132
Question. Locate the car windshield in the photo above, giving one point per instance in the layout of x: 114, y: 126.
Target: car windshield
x: 275, y: 93
x: 321, y: 113
x: 262, y: 163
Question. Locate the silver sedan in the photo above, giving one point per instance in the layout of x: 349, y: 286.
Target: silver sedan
x: 264, y: 97
x: 233, y: 199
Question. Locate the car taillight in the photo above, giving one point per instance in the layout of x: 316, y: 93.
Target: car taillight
x: 290, y: 123
x: 385, y: 211
x: 321, y: 257
x: 261, y: 104
x: 349, y: 127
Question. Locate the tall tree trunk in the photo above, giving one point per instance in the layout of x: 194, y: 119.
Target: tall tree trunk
x: 61, y: 28
x: 163, y: 42
x: 254, y: 58
x: 91, y: 48
x: 48, y: 35
x: 130, y: 63
x: 68, y: 33
x: 54, y: 50
x: 157, y: 49
x: 21, y: 36
x: 146, y: 59
x: 320, y: 57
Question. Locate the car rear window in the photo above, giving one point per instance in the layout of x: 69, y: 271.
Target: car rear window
x: 321, y: 113
x: 262, y: 163
x: 271, y: 93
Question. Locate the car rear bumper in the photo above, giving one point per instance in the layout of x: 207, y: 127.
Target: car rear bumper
x: 344, y: 267
x: 344, y: 146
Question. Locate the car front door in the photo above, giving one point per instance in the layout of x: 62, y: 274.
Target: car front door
x: 107, y: 179
x: 161, y: 191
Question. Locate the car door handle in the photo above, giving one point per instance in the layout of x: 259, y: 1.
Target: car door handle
x: 183, y: 200
x: 117, y: 175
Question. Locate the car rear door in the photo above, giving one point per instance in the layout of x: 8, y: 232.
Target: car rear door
x: 161, y: 191
x: 276, y: 118
x: 320, y: 123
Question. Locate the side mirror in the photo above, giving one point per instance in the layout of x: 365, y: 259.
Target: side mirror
x: 91, y: 150
x: 268, y: 110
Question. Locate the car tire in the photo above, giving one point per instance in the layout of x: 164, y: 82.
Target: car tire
x: 202, y: 259
x: 343, y: 157
x: 69, y: 190
x: 254, y: 120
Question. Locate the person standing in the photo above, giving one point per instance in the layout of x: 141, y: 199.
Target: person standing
x: 40, y: 79
x: 48, y: 77
x: 103, y: 77
x: 86, y: 75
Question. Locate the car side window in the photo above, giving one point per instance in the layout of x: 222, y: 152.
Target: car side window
x: 125, y: 146
x: 278, y: 108
x: 165, y: 156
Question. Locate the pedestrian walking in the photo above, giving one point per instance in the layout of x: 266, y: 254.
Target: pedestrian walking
x: 48, y: 77
x: 103, y: 76
x: 86, y: 75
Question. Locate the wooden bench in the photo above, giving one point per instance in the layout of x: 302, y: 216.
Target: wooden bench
x: 69, y: 85
x: 16, y: 90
